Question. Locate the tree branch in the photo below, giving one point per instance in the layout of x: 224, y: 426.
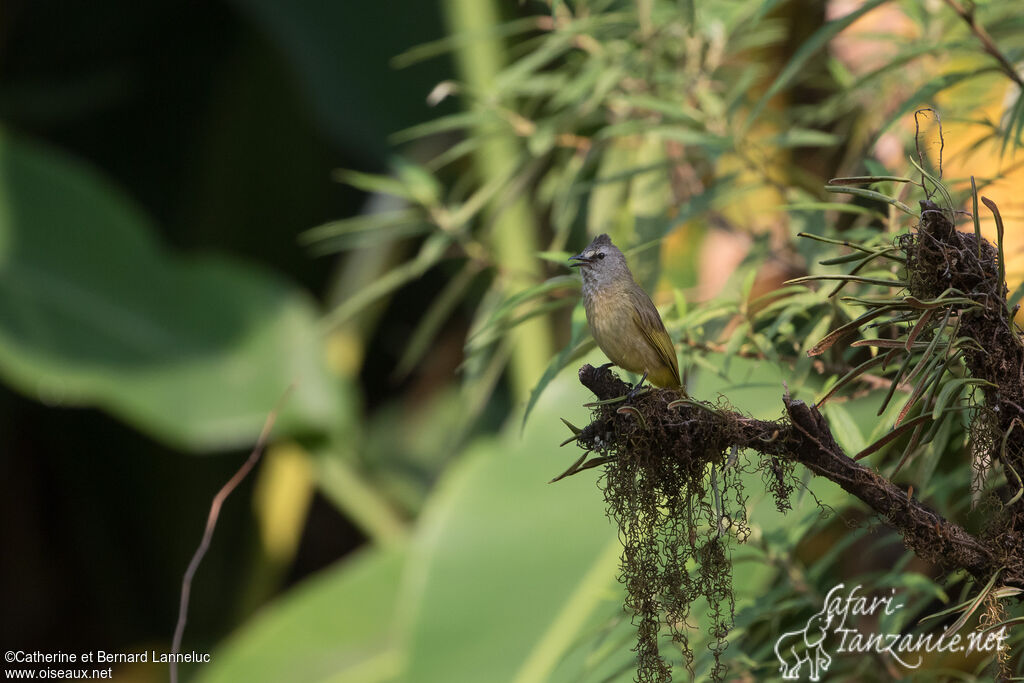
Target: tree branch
x: 986, y: 41
x: 805, y: 437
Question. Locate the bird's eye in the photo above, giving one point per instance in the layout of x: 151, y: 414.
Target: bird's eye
x: 600, y: 254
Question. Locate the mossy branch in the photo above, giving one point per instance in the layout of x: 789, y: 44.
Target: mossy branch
x: 804, y: 437
x: 939, y: 260
x: 669, y: 462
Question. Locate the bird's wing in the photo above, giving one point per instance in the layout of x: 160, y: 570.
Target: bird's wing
x: 646, y: 318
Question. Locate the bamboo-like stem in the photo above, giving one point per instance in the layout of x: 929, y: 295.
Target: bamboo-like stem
x: 513, y: 232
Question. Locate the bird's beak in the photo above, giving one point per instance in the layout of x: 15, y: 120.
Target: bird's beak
x: 579, y: 259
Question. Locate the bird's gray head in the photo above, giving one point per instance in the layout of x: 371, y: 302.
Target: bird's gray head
x: 602, y: 263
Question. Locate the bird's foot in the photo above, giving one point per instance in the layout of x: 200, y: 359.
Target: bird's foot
x: 638, y: 389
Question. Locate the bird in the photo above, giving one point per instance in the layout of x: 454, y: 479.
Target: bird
x: 622, y: 317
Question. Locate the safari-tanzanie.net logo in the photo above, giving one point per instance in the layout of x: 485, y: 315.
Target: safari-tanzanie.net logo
x: 806, y: 654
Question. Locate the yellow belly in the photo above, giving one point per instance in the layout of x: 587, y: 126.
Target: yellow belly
x: 612, y: 322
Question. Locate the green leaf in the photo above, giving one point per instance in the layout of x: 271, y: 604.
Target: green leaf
x: 847, y: 278
x: 832, y: 206
x: 421, y: 185
x: 450, y: 43
x: 871, y: 194
x: 365, y: 230
x: 372, y: 182
x: 430, y: 254
x: 443, y: 124
x: 843, y: 330
x: 507, y: 569
x: 926, y: 93
x: 852, y: 375
x: 804, y: 137
x: 436, y: 314
x: 951, y: 391
x: 337, y: 626
x: 578, y: 345
x: 807, y: 50
x: 514, y: 310
x: 193, y: 350
x: 845, y: 428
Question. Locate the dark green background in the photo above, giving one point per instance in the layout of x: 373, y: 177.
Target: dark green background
x: 223, y: 121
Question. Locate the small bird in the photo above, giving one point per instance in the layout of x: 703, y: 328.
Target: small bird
x: 622, y: 318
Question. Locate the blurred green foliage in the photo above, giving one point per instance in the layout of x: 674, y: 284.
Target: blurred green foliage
x: 95, y: 313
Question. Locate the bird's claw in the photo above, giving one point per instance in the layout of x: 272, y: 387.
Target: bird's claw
x: 638, y: 389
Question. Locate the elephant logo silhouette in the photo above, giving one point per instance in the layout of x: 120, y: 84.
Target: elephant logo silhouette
x: 797, y: 648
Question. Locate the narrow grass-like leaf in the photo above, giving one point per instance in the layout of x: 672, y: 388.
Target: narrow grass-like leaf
x: 372, y: 183
x: 1020, y: 485
x: 930, y: 394
x: 631, y: 410
x: 430, y: 254
x: 848, y: 278
x: 365, y: 230
x: 1006, y: 622
x: 932, y: 346
x: 1016, y: 296
x: 805, y: 52
x: 974, y: 215
x: 862, y: 263
x: 925, y: 175
x: 504, y: 180
x: 850, y: 258
x: 460, y: 121
x: 907, y: 452
x: 438, y: 312
x: 803, y: 137
x: 924, y: 369
x: 946, y: 612
x: 573, y: 468
x: 895, y: 383
x: 840, y: 332
x: 832, y: 206
x: 951, y: 389
x: 852, y: 375
x: 547, y: 51
x: 1014, y: 124
x: 493, y: 332
x: 838, y: 243
x: 919, y: 327
x: 594, y: 462
x: 447, y: 44
x: 606, y: 401
x: 897, y: 432
x: 670, y: 110
x: 776, y: 296
x: 508, y: 307
x: 454, y: 153
x: 914, y: 303
x: 572, y: 428
x: 889, y: 344
x: 868, y: 180
x: 926, y: 93
x: 579, y: 344
x: 999, y: 238
x: 871, y: 194
x: 969, y: 607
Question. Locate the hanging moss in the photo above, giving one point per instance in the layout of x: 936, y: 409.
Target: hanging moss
x: 679, y: 504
